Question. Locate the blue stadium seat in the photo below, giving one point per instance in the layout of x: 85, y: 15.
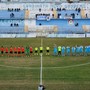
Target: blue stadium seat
x: 4, y: 14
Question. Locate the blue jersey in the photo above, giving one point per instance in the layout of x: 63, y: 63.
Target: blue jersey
x: 89, y: 49
x: 77, y: 49
x: 63, y: 49
x: 73, y: 49
x: 67, y: 49
x: 86, y: 49
x: 55, y: 50
x: 81, y: 49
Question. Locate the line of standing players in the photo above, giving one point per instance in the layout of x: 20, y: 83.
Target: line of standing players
x: 22, y: 51
x: 74, y: 50
x: 60, y: 51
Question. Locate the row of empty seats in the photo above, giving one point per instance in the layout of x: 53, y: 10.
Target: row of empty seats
x: 69, y: 1
x: 33, y: 0
x: 63, y: 14
x: 4, y: 14
x: 68, y: 26
x: 43, y: 6
x: 7, y: 30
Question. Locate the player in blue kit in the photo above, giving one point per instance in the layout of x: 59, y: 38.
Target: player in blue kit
x: 77, y: 50
x: 73, y: 49
x: 63, y: 51
x: 88, y: 50
x: 55, y: 50
x: 81, y: 50
x: 68, y: 51
x: 85, y: 50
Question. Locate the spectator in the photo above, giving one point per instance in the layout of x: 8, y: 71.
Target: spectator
x: 40, y: 10
x: 12, y: 15
x: 11, y: 25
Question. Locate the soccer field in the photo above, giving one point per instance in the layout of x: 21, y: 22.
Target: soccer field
x: 59, y: 73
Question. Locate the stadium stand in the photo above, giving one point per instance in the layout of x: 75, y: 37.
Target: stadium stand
x: 12, y: 14
x: 48, y: 18
x: 31, y: 1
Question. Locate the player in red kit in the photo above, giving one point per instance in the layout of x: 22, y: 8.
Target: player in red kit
x: 22, y: 50
x: 31, y: 51
x: 19, y: 51
x: 6, y: 51
x: 2, y: 50
x: 11, y: 51
x: 15, y: 51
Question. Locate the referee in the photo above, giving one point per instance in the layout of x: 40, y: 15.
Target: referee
x: 47, y: 50
x: 41, y: 49
x: 36, y: 51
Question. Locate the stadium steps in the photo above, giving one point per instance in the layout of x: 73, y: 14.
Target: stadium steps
x: 83, y: 14
x: 86, y: 28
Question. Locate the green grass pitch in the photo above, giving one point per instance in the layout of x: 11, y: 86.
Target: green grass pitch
x: 22, y: 73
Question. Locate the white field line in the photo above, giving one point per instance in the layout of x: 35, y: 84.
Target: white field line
x: 19, y: 67
x: 71, y: 66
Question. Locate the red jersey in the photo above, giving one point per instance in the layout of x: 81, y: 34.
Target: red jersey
x: 15, y: 49
x: 6, y: 49
x: 31, y: 49
x: 2, y: 48
x: 11, y: 49
x: 19, y: 49
x: 22, y: 49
